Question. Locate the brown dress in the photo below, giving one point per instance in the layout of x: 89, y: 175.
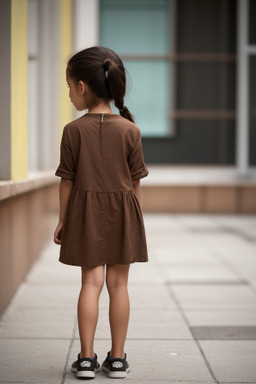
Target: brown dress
x: 102, y: 154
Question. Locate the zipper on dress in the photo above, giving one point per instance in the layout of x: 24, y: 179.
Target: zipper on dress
x: 101, y: 144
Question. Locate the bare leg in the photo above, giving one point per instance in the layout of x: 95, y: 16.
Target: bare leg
x: 119, y: 307
x: 88, y: 308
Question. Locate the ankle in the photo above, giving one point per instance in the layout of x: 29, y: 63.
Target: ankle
x: 116, y: 354
x: 87, y: 354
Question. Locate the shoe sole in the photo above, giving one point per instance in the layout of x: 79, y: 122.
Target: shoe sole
x: 85, y: 374
x: 88, y: 374
x: 116, y: 375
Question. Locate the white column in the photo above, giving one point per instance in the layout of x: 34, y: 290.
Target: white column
x: 86, y: 24
x: 86, y: 28
x: 242, y: 139
x: 33, y: 84
x: 48, y: 75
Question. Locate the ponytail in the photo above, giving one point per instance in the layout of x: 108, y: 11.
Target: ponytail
x: 127, y: 114
x: 116, y: 83
x: 104, y: 73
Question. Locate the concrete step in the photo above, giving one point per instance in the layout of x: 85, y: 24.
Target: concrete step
x: 198, y: 190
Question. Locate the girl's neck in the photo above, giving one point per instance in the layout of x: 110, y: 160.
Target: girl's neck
x: 100, y: 108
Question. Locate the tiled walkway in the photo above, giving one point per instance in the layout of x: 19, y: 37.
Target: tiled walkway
x: 193, y: 317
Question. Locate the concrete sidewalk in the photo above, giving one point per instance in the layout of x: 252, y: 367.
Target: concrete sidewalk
x: 193, y: 316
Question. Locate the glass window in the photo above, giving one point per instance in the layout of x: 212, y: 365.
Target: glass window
x: 206, y: 26
x: 206, y: 85
x: 196, y: 140
x: 135, y: 29
x: 148, y: 95
x: 252, y: 24
x: 252, y: 115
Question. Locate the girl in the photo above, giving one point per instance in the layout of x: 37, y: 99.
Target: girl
x: 100, y: 220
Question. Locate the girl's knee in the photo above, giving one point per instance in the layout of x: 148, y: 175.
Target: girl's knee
x: 93, y: 276
x: 117, y: 276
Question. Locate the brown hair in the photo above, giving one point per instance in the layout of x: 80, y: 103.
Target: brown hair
x: 104, y: 73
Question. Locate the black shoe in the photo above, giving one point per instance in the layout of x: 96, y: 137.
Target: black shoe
x: 85, y: 367
x: 115, y: 368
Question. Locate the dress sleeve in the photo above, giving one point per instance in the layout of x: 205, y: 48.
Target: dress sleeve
x: 136, y: 163
x: 66, y: 168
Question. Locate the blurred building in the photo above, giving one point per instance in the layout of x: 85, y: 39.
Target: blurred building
x: 191, y: 86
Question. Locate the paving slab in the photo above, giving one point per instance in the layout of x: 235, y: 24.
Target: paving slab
x: 213, y: 274
x: 208, y: 222
x: 231, y: 361
x: 215, y: 296
x: 33, y: 361
x: 239, y: 223
x: 253, y: 285
x: 244, y: 254
x: 170, y: 326
x: 54, y: 273
x: 242, y: 259
x: 248, y: 271
x: 45, y: 296
x: 239, y: 253
x: 224, y: 332
x: 37, y: 323
x: 221, y: 317
x: 145, y: 272
x: 185, y: 256
x: 158, y: 223
x: 204, y: 239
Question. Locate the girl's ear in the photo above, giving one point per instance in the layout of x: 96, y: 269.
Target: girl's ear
x: 82, y: 87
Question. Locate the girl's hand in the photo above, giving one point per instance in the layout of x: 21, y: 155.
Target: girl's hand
x: 57, y: 233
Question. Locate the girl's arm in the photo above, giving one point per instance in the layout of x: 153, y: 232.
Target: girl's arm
x: 136, y: 187
x: 64, y: 196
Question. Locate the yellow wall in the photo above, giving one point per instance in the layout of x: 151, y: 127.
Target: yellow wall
x: 19, y: 79
x: 66, y: 49
x: 19, y: 89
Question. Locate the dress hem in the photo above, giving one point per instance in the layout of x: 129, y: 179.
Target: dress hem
x: 97, y: 265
